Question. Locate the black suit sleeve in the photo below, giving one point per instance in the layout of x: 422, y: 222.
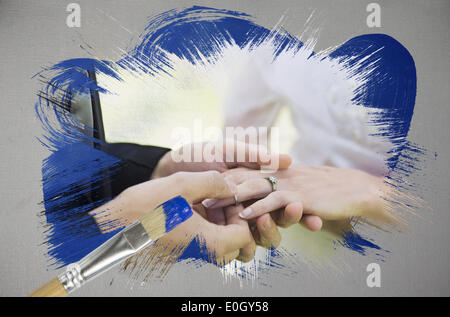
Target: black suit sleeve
x: 139, y: 163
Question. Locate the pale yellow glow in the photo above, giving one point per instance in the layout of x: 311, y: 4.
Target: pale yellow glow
x: 146, y: 109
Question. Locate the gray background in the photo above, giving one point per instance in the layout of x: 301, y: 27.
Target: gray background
x: 34, y: 34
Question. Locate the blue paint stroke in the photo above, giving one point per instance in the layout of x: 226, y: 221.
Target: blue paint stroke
x: 75, y: 168
x: 67, y: 179
x: 357, y: 243
x: 390, y: 87
x: 177, y: 210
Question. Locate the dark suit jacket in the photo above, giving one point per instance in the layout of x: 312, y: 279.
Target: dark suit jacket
x: 139, y: 163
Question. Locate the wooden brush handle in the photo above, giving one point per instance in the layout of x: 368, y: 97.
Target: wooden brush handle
x: 54, y: 288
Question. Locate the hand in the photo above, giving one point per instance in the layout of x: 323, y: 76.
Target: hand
x: 264, y: 229
x: 253, y: 156
x: 230, y: 215
x: 258, y: 187
x: 327, y: 192
x: 223, y: 242
x: 230, y: 154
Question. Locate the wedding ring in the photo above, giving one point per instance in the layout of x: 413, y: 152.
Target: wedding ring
x: 236, y: 200
x: 274, y: 181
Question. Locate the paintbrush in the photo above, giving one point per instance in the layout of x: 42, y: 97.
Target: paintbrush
x: 132, y: 239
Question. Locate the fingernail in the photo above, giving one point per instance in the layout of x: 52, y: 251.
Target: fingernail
x: 208, y: 203
x: 245, y: 213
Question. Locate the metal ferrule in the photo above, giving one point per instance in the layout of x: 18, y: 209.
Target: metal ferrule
x: 115, y: 250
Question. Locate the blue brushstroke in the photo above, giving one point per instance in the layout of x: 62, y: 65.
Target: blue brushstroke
x: 67, y: 178
x: 74, y: 166
x: 177, y: 211
x: 356, y: 242
x: 391, y: 87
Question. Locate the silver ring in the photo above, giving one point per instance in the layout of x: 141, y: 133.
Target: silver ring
x: 236, y: 202
x: 274, y: 181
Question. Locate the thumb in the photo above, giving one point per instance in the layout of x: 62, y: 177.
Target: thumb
x: 196, y: 186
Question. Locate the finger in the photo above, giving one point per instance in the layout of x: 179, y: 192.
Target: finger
x: 247, y: 252
x: 216, y: 216
x: 288, y: 216
x: 200, y: 185
x: 240, y: 175
x: 269, y: 236
x: 255, y: 233
x: 312, y: 222
x: 220, y: 244
x: 291, y: 214
x: 253, y: 156
x: 227, y: 239
x: 284, y: 161
x: 251, y: 189
x: 227, y: 258
x: 201, y: 210
x: 274, y: 201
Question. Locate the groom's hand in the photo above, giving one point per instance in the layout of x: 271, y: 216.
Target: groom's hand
x: 225, y: 155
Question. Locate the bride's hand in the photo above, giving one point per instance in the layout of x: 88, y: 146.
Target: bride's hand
x: 327, y: 192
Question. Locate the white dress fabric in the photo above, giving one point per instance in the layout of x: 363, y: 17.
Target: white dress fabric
x: 331, y: 129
